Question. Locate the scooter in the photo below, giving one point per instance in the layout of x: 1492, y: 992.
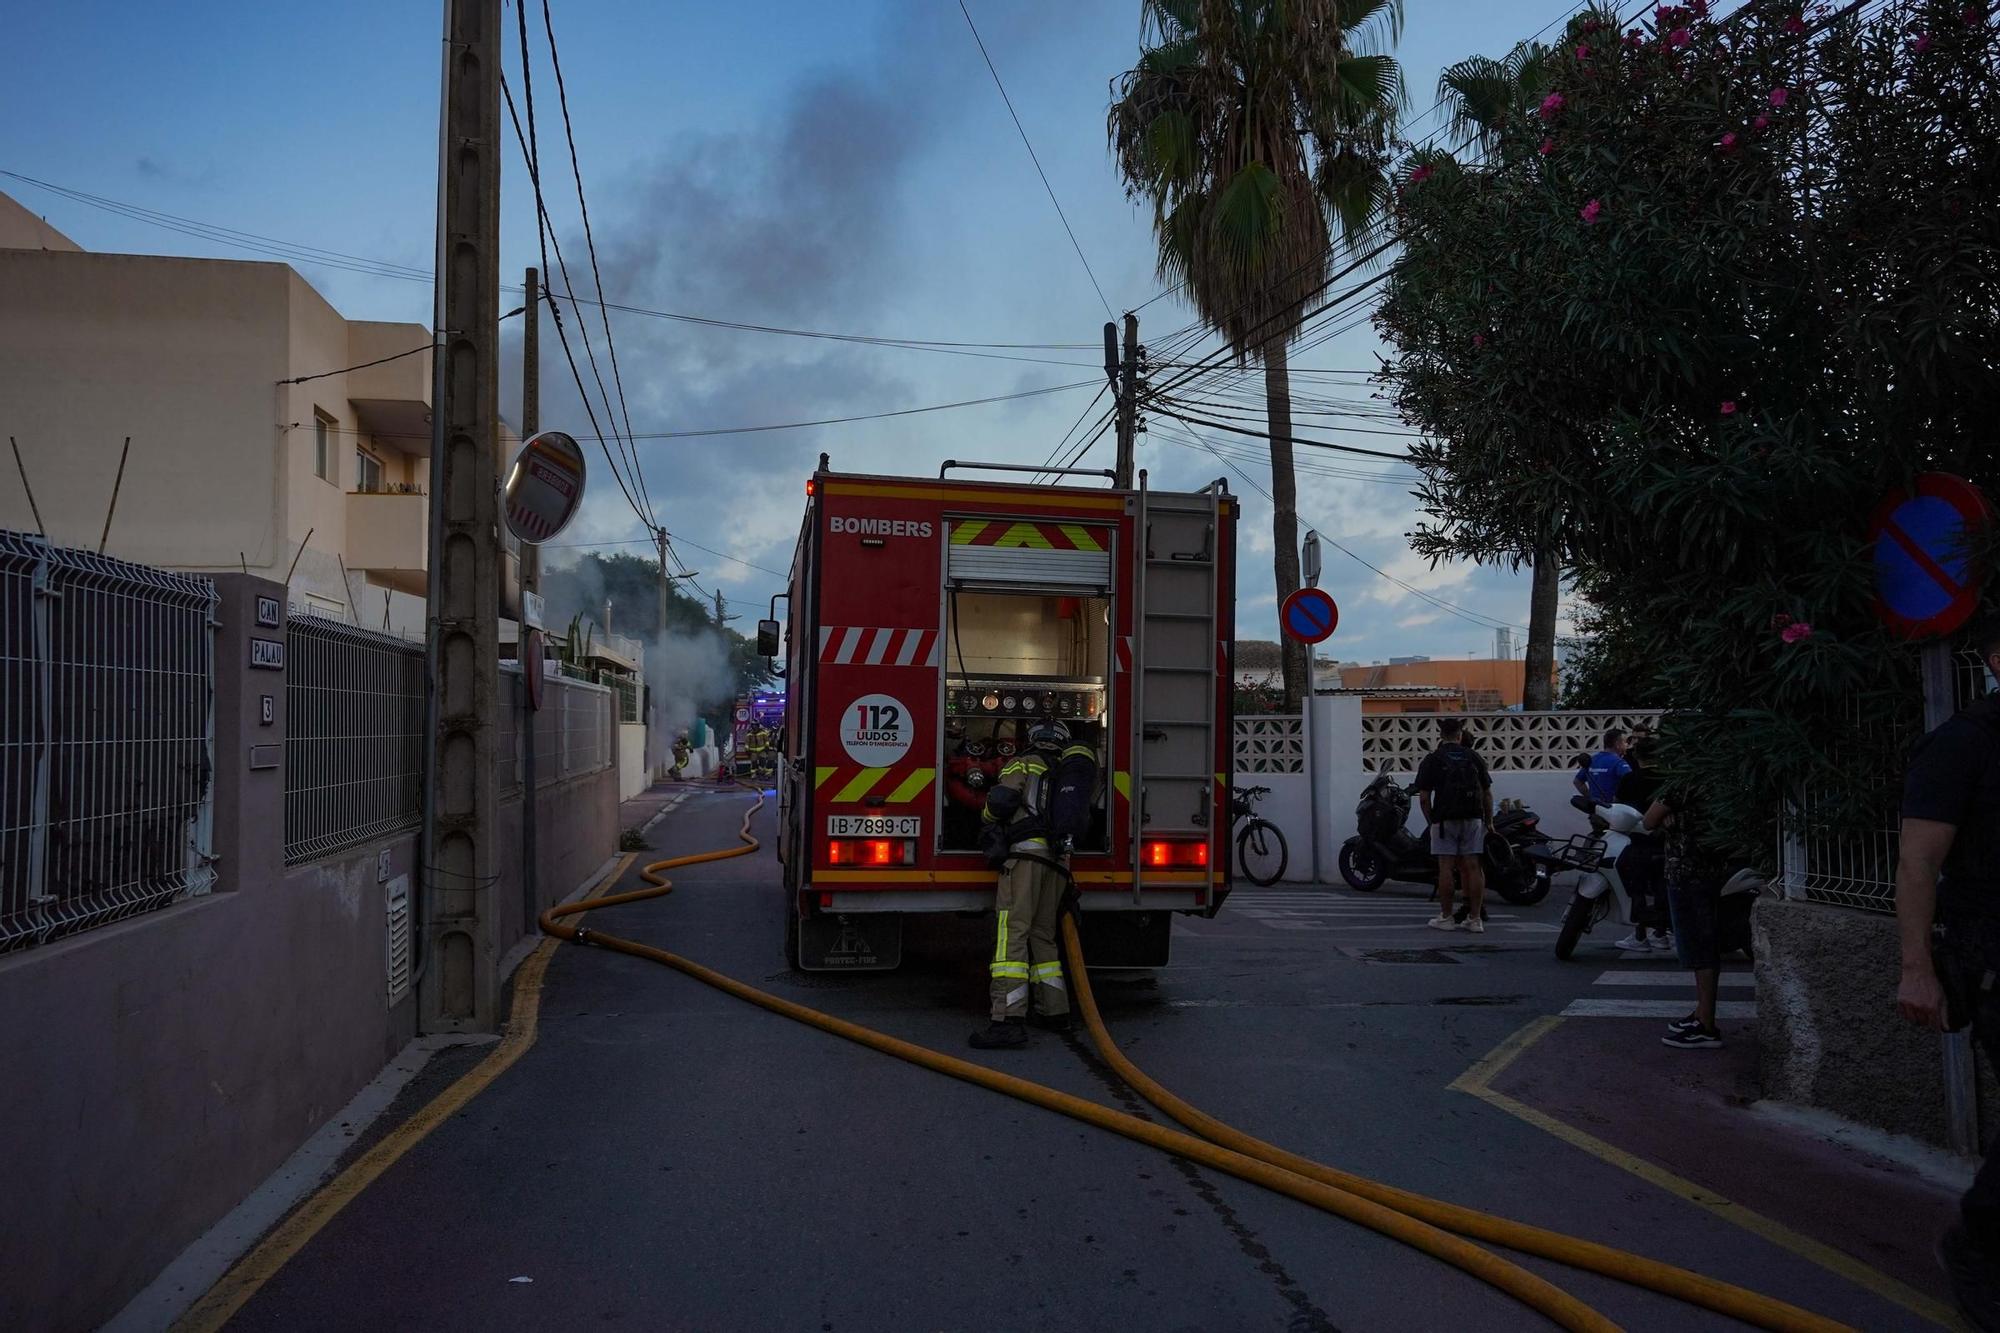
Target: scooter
x: 1601, y: 894
x: 1384, y: 848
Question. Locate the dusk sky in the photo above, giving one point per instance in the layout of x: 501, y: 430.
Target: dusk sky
x: 840, y: 167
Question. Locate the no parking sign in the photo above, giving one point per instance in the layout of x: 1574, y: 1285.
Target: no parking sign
x: 1924, y: 581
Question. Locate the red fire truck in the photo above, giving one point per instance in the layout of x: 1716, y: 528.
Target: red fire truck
x: 930, y: 621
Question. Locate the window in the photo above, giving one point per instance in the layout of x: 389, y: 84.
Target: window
x: 324, y: 427
x: 367, y: 472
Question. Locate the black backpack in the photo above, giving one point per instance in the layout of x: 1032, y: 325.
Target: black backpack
x: 1069, y: 793
x: 1456, y: 795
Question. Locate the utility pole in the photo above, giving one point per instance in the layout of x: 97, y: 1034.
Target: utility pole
x: 529, y: 642
x: 1124, y: 373
x: 457, y: 992
x: 660, y: 536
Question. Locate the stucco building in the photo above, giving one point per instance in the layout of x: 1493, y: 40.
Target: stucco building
x: 246, y: 454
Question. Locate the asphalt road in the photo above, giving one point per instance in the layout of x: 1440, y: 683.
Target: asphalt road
x: 666, y: 1157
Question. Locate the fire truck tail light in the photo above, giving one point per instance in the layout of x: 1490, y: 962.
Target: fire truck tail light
x: 1162, y: 854
x: 871, y: 851
x: 811, y: 486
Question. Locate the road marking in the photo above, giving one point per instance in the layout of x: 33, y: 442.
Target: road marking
x: 1594, y: 1008
x: 1728, y: 980
x: 1478, y: 1081
x: 253, y: 1270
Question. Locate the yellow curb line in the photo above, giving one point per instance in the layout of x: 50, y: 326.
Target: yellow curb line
x: 253, y: 1270
x: 1478, y: 1082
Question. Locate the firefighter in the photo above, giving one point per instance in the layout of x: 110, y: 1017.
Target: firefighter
x: 756, y: 746
x: 1033, y: 880
x: 682, y: 752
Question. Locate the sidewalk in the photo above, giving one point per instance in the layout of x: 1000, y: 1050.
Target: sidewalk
x: 1692, y: 1116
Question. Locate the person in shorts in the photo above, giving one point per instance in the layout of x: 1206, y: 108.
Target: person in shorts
x: 1456, y: 794
x: 1694, y: 903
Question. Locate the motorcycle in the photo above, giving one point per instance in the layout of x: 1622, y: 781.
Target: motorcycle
x: 1385, y: 849
x: 1601, y: 894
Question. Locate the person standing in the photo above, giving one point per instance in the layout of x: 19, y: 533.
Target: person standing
x: 1456, y: 794
x: 1029, y: 898
x: 1694, y: 874
x: 1948, y: 914
x: 1642, y: 866
x: 1599, y: 779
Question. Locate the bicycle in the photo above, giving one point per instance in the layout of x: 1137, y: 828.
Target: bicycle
x: 1260, y: 845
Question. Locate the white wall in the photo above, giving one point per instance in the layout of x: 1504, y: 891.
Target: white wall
x: 632, y: 777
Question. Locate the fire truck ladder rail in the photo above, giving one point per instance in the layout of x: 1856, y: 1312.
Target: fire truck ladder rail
x: 1423, y: 1223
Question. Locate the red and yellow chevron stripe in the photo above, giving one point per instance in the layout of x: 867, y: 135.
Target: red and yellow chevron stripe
x: 845, y: 784
x: 1033, y: 536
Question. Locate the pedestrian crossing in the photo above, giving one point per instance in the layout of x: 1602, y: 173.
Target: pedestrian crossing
x: 1400, y: 918
x: 1675, y: 996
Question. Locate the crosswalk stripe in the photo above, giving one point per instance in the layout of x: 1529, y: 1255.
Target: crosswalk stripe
x: 1596, y: 1008
x: 1728, y: 980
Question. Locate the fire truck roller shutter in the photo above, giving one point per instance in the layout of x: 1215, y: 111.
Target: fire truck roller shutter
x: 1029, y: 553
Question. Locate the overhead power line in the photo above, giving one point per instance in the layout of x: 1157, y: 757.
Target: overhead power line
x: 1033, y: 157
x: 1212, y: 424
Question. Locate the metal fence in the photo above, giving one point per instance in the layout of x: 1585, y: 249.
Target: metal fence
x: 107, y: 739
x: 1847, y: 863
x: 354, y: 736
x: 573, y: 731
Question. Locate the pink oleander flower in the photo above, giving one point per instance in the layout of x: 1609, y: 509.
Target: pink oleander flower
x: 1761, y: 123
x: 1420, y: 175
x: 1548, y: 146
x: 1780, y: 95
x: 1591, y: 211
x: 1553, y: 103
x: 1679, y: 37
x: 1728, y: 142
x: 1634, y: 39
x: 1583, y: 53
x: 1974, y: 15
x: 1729, y: 407
x: 1795, y: 26
x: 1796, y: 631
x: 1698, y: 8
x: 1922, y: 44
x: 1479, y: 340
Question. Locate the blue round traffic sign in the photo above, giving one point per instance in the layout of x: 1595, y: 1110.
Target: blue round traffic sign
x: 1924, y: 581
x: 1309, y: 616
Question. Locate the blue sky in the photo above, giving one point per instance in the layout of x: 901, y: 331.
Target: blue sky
x: 841, y: 167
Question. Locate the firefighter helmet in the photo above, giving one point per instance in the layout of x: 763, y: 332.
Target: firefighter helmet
x: 1049, y: 734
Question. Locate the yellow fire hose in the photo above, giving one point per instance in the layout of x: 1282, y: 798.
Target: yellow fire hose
x: 1423, y: 1223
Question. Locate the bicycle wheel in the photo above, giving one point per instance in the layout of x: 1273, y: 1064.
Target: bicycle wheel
x: 1261, y: 852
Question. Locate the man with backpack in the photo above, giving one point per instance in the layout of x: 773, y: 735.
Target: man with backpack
x: 1042, y: 802
x: 1948, y: 912
x: 1457, y: 799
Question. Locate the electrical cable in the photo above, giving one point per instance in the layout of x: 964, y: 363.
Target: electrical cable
x: 378, y: 361
x: 1074, y: 427
x: 1298, y: 439
x: 1032, y: 157
x: 589, y: 239
x: 1430, y: 1225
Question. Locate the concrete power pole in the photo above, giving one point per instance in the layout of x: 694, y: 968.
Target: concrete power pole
x: 457, y: 993
x: 660, y: 537
x: 529, y: 646
x: 1125, y: 382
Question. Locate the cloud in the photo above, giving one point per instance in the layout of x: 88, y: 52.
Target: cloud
x: 1420, y: 618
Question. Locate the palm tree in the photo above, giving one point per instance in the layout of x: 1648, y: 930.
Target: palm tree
x: 1254, y: 128
x: 1483, y: 95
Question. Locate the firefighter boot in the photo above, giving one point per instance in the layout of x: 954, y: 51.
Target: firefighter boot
x: 1001, y: 1034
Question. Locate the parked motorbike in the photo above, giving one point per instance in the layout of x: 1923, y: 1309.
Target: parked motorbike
x: 1601, y: 894
x: 1383, y: 848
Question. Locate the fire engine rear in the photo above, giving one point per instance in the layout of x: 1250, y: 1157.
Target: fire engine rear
x: 930, y: 622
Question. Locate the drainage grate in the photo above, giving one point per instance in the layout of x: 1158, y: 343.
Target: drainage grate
x: 1406, y: 956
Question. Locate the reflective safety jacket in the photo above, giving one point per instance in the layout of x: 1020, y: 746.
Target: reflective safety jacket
x: 1016, y: 800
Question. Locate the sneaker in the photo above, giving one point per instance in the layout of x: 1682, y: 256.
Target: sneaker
x: 1001, y: 1036
x: 1693, y: 1038
x: 1972, y: 1277
x: 1476, y: 925
x: 1632, y: 942
x: 1663, y: 942
x: 1688, y: 1024
x: 1442, y: 922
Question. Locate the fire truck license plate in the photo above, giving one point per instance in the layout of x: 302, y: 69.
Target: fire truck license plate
x: 874, y: 826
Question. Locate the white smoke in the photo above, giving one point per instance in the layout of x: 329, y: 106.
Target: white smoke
x: 690, y: 676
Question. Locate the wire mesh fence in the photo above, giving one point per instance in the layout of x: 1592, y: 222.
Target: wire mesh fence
x: 1849, y: 862
x: 354, y: 742
x: 107, y: 738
